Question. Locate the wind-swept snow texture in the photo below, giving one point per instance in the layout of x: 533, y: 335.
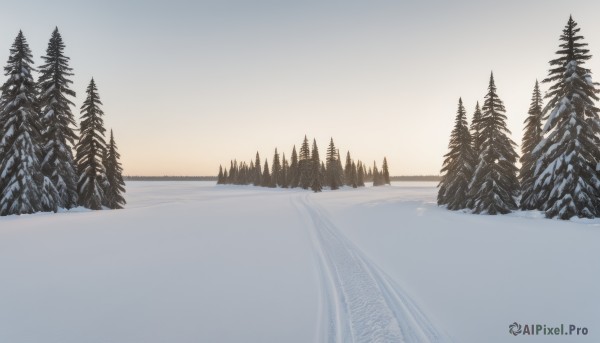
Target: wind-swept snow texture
x: 196, y: 262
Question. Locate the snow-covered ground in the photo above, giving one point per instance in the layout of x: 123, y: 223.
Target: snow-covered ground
x: 195, y: 262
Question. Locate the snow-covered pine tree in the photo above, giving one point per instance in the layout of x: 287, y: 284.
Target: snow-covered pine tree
x: 266, y: 176
x: 348, y: 170
x: 23, y: 188
x: 113, y: 192
x: 316, y: 178
x: 494, y: 186
x: 294, y: 172
x: 333, y: 174
x: 567, y: 182
x: 257, y: 180
x: 305, y: 168
x: 90, y: 148
x: 459, y: 164
x: 57, y: 121
x: 385, y: 173
x: 225, y: 176
x: 532, y: 136
x: 476, y: 129
x: 276, y: 170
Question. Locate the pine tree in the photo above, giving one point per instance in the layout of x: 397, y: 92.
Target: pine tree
x: 567, y: 182
x: 257, y: 181
x: 459, y: 164
x: 225, y: 176
x: 220, y: 180
x: 90, y: 148
x: 348, y: 170
x: 316, y: 178
x: 531, y: 138
x: 115, y: 186
x: 354, y: 175
x: 266, y: 176
x: 377, y: 179
x: 304, y: 165
x: 340, y: 168
x: 23, y: 188
x: 385, y: 172
x: 476, y: 129
x: 294, y: 173
x: 57, y: 121
x: 494, y: 185
x: 231, y: 177
x: 333, y: 174
x: 360, y: 178
x: 285, y: 171
x: 276, y: 170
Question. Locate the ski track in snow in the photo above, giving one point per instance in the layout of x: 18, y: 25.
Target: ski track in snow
x: 359, y: 302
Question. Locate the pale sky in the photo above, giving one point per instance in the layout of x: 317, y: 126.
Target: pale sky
x: 189, y: 85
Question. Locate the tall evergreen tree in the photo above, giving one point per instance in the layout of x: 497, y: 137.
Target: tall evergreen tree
x: 257, y: 181
x: 495, y: 186
x: 333, y: 174
x: 276, y: 170
x: 294, y: 173
x: 90, y: 149
x: 285, y: 172
x: 340, y: 168
x: 360, y: 175
x: 22, y: 185
x: 377, y: 179
x: 316, y: 178
x: 385, y: 173
x: 459, y: 164
x: 354, y: 175
x: 220, y: 180
x: 348, y: 170
x: 57, y: 121
x: 531, y: 138
x: 304, y: 165
x: 266, y: 176
x: 567, y: 182
x: 225, y: 176
x: 231, y: 177
x: 476, y: 129
x: 115, y: 186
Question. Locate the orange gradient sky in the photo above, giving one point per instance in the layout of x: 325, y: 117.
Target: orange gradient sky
x: 189, y: 85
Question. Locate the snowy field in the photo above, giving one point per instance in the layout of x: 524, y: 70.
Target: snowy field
x: 196, y: 262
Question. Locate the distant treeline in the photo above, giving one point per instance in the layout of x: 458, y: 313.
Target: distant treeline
x: 170, y: 178
x: 416, y: 178
x: 214, y: 178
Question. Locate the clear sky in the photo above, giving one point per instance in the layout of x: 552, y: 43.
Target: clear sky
x: 188, y: 85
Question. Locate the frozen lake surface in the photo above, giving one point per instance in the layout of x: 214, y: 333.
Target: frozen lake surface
x: 196, y: 262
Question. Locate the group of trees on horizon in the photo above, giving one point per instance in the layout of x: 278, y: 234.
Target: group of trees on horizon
x: 560, y: 152
x: 38, y: 171
x: 305, y: 170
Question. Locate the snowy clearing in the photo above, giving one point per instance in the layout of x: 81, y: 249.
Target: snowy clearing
x: 196, y: 262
